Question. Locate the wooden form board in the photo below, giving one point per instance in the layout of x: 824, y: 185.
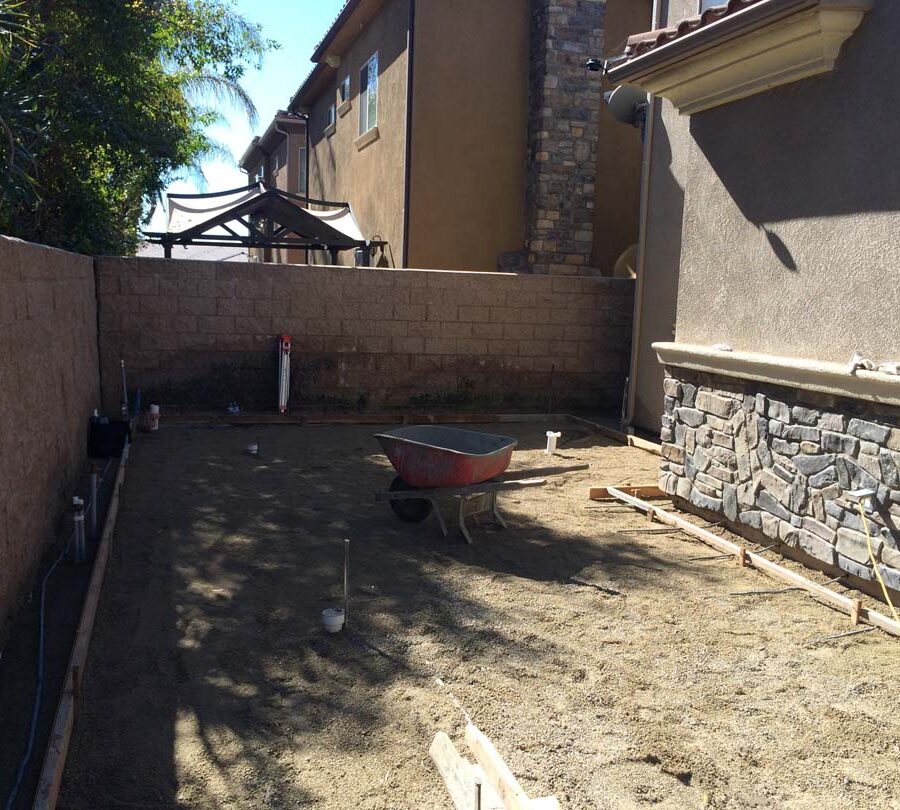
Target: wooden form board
x: 617, y: 435
x: 648, y: 491
x: 499, y: 789
x: 852, y: 607
x: 55, y: 758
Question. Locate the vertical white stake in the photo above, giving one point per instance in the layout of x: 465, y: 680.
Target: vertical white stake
x: 124, y: 392
x: 346, y: 580
x: 78, y: 519
x: 95, y: 501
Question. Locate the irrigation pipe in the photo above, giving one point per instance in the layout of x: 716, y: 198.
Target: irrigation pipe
x: 884, y: 590
x: 39, y: 687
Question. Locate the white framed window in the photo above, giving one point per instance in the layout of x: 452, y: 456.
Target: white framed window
x: 330, y: 117
x: 302, y: 163
x: 344, y: 89
x: 368, y: 95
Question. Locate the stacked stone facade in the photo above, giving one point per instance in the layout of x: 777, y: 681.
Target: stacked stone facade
x: 564, y: 108
x: 782, y: 461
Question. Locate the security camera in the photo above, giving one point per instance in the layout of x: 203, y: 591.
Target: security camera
x: 594, y: 65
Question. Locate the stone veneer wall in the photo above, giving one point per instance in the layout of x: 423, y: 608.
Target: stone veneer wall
x: 781, y: 461
x: 199, y: 334
x: 564, y: 108
x: 49, y: 384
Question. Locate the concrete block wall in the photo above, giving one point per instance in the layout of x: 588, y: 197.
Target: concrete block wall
x: 781, y: 462
x: 49, y: 385
x: 199, y: 335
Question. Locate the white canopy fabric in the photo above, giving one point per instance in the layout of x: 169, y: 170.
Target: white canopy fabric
x: 189, y: 212
x: 185, y: 213
x: 341, y: 219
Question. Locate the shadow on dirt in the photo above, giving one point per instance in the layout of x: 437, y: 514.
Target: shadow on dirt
x: 211, y: 682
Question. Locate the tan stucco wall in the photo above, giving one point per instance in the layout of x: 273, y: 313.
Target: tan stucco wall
x: 669, y: 153
x: 670, y: 149
x: 790, y: 242
x: 371, y: 179
x: 49, y: 384
x: 469, y: 133
x: 287, y: 178
x: 619, y: 149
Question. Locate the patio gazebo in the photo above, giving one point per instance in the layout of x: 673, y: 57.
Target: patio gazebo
x: 256, y: 216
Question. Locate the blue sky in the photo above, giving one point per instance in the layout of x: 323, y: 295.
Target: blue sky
x: 298, y: 25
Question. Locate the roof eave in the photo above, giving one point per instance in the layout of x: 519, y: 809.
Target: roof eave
x: 715, y: 33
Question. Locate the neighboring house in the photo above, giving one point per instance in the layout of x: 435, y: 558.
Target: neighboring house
x: 279, y: 158
x: 467, y: 134
x: 772, y: 244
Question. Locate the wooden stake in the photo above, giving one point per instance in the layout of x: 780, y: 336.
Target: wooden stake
x: 742, y: 557
x: 645, y: 491
x: 855, y: 609
x: 499, y: 776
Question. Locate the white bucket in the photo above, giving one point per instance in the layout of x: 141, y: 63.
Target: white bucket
x: 153, y: 418
x: 253, y: 449
x: 333, y: 619
x: 552, y: 437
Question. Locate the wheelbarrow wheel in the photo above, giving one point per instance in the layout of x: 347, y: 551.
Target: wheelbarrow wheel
x: 412, y: 510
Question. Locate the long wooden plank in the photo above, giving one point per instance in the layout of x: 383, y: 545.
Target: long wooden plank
x: 49, y: 784
x: 843, y: 603
x: 617, y: 435
x: 474, y: 489
x: 644, y: 444
x: 57, y: 750
x: 92, y: 599
x: 643, y: 491
x: 455, y: 771
x: 499, y: 776
x: 461, y: 776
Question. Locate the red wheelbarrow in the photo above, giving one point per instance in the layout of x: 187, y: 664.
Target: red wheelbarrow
x: 433, y: 461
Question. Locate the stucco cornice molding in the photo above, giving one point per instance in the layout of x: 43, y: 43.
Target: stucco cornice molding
x: 766, y: 45
x: 792, y: 372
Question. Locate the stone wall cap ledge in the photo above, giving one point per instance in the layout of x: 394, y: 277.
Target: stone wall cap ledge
x: 792, y: 372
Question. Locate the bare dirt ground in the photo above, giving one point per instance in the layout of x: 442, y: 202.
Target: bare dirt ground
x: 642, y: 683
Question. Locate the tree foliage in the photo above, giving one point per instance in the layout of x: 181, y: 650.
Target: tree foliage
x: 103, y: 103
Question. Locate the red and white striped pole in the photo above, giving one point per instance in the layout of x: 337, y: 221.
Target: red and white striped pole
x: 284, y: 373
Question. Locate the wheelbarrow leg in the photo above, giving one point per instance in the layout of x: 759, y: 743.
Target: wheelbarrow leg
x: 436, y: 508
x: 462, y: 520
x: 495, y: 512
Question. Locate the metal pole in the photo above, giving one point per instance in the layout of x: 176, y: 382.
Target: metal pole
x: 95, y: 500
x: 346, y: 580
x: 78, y: 519
x: 124, y: 392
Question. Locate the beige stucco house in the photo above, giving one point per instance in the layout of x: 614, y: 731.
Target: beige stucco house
x: 769, y: 258
x: 279, y: 158
x: 467, y: 135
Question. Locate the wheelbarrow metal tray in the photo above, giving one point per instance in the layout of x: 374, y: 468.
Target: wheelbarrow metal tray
x: 434, y: 456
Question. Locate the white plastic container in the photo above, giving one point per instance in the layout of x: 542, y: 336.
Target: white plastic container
x: 153, y: 418
x: 333, y: 619
x: 552, y: 437
x: 253, y: 449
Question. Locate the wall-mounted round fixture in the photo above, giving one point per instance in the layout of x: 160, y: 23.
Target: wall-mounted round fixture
x: 627, y: 104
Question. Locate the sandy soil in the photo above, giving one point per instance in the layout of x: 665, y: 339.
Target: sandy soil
x: 608, y: 668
